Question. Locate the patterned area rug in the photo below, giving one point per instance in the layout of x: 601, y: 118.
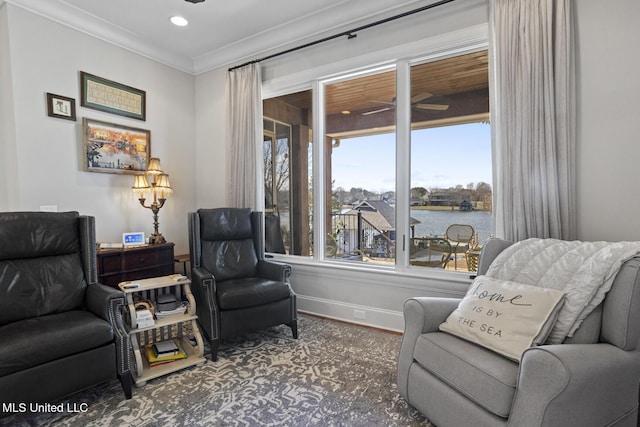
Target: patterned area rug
x: 335, y: 374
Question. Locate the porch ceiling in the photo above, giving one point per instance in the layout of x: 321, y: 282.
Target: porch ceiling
x: 448, y: 81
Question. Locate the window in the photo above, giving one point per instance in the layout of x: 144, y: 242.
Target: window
x: 287, y: 174
x: 450, y: 182
x: 442, y: 161
x: 277, y: 187
x: 360, y: 144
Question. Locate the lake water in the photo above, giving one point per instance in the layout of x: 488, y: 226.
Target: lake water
x: 435, y: 223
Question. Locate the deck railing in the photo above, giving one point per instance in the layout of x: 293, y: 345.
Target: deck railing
x: 355, y: 237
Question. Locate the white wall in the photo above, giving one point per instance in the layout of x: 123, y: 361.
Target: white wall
x: 44, y: 56
x: 211, y: 156
x: 608, y: 134
x: 8, y: 163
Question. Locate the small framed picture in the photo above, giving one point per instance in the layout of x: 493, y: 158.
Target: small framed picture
x: 61, y: 107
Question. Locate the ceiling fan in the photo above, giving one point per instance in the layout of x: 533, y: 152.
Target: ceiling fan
x: 416, y: 102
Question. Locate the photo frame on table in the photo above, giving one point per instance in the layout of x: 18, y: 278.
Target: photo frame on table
x: 61, y: 107
x: 115, y: 148
x: 105, y: 95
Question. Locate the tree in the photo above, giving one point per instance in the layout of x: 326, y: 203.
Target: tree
x: 418, y: 192
x: 276, y: 171
x: 93, y: 154
x: 336, y: 198
x: 484, y: 195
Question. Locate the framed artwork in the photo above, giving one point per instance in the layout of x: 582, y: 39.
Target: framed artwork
x: 105, y: 95
x: 61, y: 107
x: 114, y: 148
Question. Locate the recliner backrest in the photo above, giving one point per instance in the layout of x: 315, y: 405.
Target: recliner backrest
x: 41, y: 264
x: 489, y: 252
x: 615, y: 321
x: 229, y: 243
x: 621, y: 308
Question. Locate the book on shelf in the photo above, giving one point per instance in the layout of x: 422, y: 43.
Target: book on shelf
x: 153, y: 365
x: 165, y: 348
x: 156, y: 358
x: 181, y: 309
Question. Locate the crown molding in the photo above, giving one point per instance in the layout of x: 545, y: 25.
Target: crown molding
x: 290, y: 34
x: 294, y: 33
x: 286, y: 35
x: 72, y: 17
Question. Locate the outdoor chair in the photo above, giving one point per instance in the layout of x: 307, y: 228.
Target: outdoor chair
x: 235, y: 288
x: 430, y: 252
x: 462, y: 238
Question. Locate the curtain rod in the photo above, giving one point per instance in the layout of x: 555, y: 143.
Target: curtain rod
x: 350, y: 33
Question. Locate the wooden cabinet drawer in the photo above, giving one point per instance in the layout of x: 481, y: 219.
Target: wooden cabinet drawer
x: 140, y: 259
x: 111, y: 262
x: 118, y: 265
x: 165, y: 256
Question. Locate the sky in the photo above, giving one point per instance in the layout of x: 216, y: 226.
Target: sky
x: 440, y: 158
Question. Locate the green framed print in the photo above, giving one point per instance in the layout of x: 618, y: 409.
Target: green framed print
x: 105, y: 95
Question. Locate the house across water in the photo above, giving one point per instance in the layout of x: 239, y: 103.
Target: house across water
x: 374, y: 221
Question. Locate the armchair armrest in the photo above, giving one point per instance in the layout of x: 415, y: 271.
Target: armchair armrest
x: 274, y: 270
x: 425, y: 314
x: 199, y: 277
x: 576, y: 384
x: 108, y: 303
x: 421, y: 315
x: 203, y: 288
x: 99, y: 299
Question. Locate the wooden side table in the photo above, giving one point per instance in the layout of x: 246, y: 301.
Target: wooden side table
x: 179, y: 327
x: 184, y: 259
x: 123, y: 264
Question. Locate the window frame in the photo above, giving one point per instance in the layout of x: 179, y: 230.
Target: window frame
x: 320, y: 154
x: 400, y: 58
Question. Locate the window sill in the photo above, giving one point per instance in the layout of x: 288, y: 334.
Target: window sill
x: 429, y: 280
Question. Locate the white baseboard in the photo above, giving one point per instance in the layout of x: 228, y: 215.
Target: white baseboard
x: 352, y: 313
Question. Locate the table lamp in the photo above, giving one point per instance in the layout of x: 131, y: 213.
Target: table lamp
x: 160, y: 187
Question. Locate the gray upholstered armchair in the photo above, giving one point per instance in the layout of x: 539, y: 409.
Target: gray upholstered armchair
x: 61, y: 331
x: 591, y: 379
x: 235, y: 288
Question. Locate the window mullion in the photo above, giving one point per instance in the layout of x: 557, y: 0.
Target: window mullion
x: 403, y: 162
x: 318, y: 171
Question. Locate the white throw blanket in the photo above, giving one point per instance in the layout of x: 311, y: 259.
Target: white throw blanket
x: 584, y: 271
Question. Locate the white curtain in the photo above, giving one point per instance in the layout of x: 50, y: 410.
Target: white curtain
x: 533, y: 118
x: 244, y: 137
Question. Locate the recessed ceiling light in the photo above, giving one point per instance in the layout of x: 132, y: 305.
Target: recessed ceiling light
x: 345, y: 112
x: 179, y: 21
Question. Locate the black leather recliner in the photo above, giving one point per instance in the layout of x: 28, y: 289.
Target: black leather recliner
x: 235, y: 288
x: 61, y: 331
